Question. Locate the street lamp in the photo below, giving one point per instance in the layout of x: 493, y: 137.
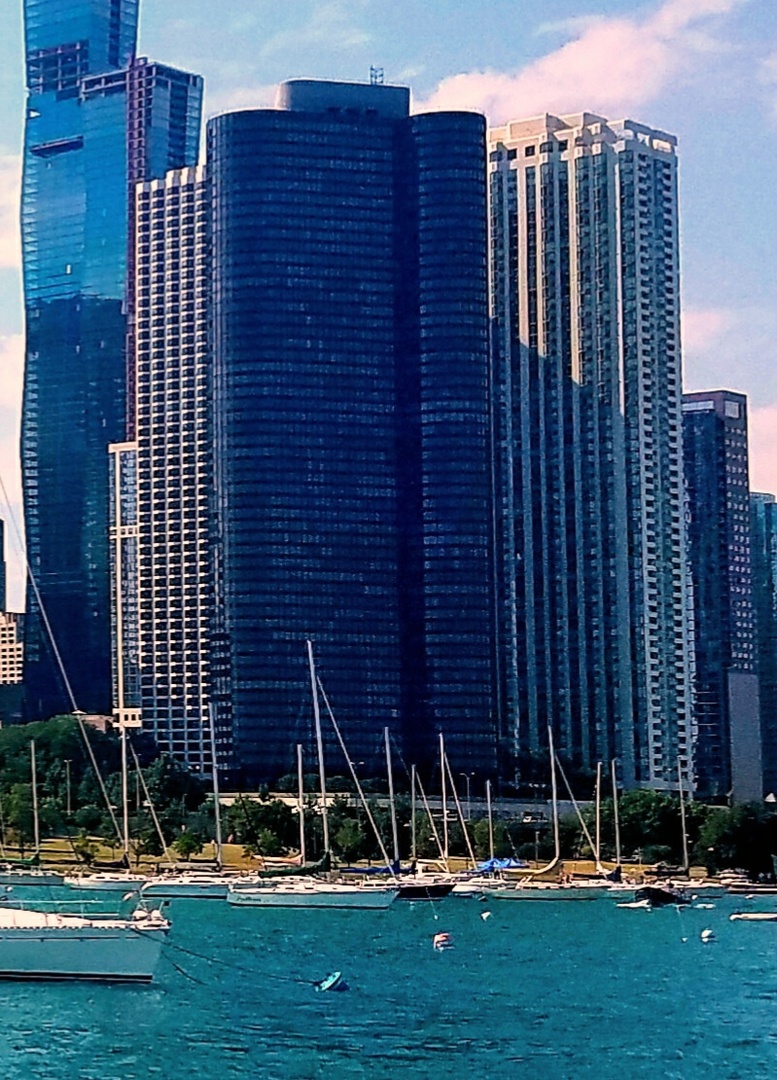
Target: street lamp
x: 469, y: 798
x: 67, y: 781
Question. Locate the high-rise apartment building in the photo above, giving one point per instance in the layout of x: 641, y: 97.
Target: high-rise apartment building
x: 11, y: 650
x: 594, y: 620
x: 763, y: 547
x: 351, y: 424
x: 728, y: 750
x: 98, y: 119
x: 163, y: 652
x: 3, y: 578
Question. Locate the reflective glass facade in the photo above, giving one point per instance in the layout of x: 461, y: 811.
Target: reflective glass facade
x: 96, y: 120
x: 763, y: 539
x: 352, y: 473
x: 716, y: 475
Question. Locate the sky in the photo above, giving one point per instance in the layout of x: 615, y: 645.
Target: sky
x: 705, y: 70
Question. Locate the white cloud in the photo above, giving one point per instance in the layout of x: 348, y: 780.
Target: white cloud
x: 732, y: 348
x: 232, y: 98
x: 762, y: 431
x: 768, y: 79
x: 612, y: 65
x: 11, y: 376
x: 703, y: 328
x: 10, y: 188
x: 333, y: 25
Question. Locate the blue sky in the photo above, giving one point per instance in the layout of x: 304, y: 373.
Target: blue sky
x: 705, y: 70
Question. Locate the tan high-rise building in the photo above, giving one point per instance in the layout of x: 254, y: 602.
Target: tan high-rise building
x: 596, y: 624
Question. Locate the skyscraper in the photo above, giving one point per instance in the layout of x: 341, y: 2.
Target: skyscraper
x: 97, y: 120
x: 351, y: 419
x: 728, y: 750
x: 594, y: 620
x: 2, y: 566
x: 763, y: 541
x: 163, y: 536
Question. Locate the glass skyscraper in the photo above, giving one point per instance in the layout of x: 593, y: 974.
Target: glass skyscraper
x: 727, y: 710
x: 98, y: 120
x: 763, y: 540
x: 351, y: 425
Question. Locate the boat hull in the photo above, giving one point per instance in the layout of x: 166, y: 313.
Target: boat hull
x: 94, y: 954
x: 193, y: 890
x: 354, y: 899
x: 436, y: 890
x: 96, y: 883
x: 554, y: 893
x: 31, y: 877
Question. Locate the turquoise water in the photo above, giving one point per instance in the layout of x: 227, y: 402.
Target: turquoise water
x: 538, y: 990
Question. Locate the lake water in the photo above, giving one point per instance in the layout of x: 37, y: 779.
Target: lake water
x: 538, y: 990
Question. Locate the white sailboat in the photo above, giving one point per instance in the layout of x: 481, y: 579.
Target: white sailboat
x: 20, y: 874
x: 113, y: 881
x: 308, y: 892
x: 52, y: 946
x: 37, y: 946
x: 196, y: 884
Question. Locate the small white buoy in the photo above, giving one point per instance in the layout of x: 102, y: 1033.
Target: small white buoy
x: 707, y: 935
x: 485, y: 915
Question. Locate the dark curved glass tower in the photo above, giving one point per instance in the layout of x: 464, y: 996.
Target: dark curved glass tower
x: 97, y: 120
x: 351, y: 424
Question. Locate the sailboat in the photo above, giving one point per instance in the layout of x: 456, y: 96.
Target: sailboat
x: 53, y: 946
x: 29, y: 872
x: 528, y: 887
x: 308, y: 892
x: 196, y: 884
x: 114, y: 881
x: 423, y: 887
x: 36, y: 946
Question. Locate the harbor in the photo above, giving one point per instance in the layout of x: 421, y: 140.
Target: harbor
x: 536, y: 991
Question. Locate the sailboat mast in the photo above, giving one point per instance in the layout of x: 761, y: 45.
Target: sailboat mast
x: 686, y: 862
x: 554, y: 795
x: 444, y: 802
x: 598, y: 811
x: 490, y: 821
x: 413, y: 845
x: 215, y: 774
x: 35, y: 822
x: 319, y: 746
x: 392, y: 804
x: 615, y: 813
x: 301, y: 805
x: 124, y: 794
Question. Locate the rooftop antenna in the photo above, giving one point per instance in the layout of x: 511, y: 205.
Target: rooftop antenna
x: 376, y: 76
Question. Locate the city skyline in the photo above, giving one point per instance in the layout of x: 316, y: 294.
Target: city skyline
x: 689, y: 67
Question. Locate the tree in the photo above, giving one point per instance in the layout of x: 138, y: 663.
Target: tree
x: 19, y: 814
x: 348, y: 840
x: 186, y: 844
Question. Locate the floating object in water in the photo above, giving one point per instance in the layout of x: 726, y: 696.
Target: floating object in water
x: 636, y: 905
x: 485, y: 915
x: 442, y: 941
x: 707, y: 935
x: 704, y: 907
x: 754, y: 916
x: 333, y: 981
